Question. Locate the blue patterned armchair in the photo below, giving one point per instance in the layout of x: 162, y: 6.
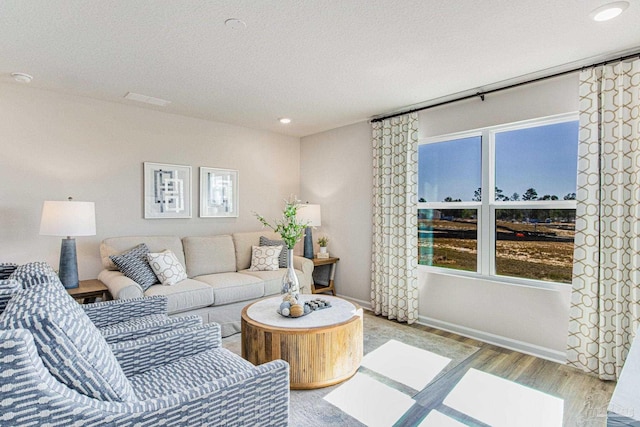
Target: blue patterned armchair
x: 59, y: 369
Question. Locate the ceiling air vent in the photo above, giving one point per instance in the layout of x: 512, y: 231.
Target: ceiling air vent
x: 147, y: 99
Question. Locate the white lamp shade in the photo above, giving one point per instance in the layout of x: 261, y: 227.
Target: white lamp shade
x: 309, y: 214
x: 68, y: 218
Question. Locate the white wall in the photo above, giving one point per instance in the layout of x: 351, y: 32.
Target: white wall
x: 53, y: 146
x: 336, y: 172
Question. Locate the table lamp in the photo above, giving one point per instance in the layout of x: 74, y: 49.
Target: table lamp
x: 311, y: 215
x: 60, y: 218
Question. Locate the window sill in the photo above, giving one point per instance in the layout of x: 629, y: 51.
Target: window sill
x: 506, y: 280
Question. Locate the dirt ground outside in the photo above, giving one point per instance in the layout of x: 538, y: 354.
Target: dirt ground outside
x: 532, y: 251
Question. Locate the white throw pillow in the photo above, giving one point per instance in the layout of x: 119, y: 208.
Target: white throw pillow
x: 265, y: 258
x: 167, y: 267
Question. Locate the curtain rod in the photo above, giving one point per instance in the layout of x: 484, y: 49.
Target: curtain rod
x: 483, y: 93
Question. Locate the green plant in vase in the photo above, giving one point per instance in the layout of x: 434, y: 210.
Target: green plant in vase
x: 291, y: 231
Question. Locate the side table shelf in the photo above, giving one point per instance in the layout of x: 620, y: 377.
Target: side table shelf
x: 330, y: 286
x: 89, y: 290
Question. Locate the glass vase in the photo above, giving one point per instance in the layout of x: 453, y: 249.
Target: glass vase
x: 290, y: 285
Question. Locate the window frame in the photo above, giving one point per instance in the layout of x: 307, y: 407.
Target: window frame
x: 486, y: 239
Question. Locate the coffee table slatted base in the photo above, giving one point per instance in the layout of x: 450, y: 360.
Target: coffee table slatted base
x: 318, y: 357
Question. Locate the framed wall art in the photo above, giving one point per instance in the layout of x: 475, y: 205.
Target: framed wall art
x: 218, y: 192
x: 167, y: 191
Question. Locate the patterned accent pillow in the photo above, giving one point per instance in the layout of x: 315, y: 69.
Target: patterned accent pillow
x: 167, y: 267
x: 135, y: 266
x: 6, y: 268
x: 265, y: 258
x: 282, y: 260
x: 70, y: 345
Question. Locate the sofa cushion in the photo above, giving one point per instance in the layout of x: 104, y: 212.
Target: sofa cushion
x: 233, y: 287
x: 209, y: 255
x: 273, y: 279
x: 118, y: 245
x: 70, y: 345
x: 166, y: 267
x: 265, y: 258
x: 243, y: 243
x: 282, y: 259
x: 185, y: 295
x: 187, y: 373
x: 135, y: 266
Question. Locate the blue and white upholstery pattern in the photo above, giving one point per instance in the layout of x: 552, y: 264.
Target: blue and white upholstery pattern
x: 30, y: 396
x: 232, y: 393
x: 109, y: 312
x: 6, y: 268
x: 142, y: 327
x: 34, y: 273
x: 188, y: 372
x: 142, y: 354
x: 71, y: 347
x: 8, y: 287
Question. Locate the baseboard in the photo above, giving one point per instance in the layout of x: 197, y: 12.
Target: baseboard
x: 498, y: 340
x: 364, y: 304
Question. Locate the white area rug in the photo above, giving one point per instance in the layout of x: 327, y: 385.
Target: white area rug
x: 399, y: 362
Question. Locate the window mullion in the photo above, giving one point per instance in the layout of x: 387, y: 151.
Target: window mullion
x: 485, y: 251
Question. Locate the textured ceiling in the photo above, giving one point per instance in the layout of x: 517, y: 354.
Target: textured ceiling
x: 324, y: 63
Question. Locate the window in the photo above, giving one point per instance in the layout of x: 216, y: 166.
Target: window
x: 524, y: 227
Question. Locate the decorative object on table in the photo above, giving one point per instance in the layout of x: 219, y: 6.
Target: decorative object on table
x: 291, y: 230
x: 167, y: 191
x: 68, y: 218
x: 309, y: 214
x: 322, y: 242
x: 288, y: 309
x: 218, y: 193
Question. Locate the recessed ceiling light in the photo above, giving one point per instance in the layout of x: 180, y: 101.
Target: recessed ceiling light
x: 22, y: 77
x: 608, y: 11
x: 284, y: 120
x: 235, y: 24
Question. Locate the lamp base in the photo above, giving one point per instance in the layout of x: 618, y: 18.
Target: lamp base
x: 308, y: 244
x: 68, y: 272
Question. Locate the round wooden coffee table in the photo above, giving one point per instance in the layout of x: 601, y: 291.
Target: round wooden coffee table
x: 323, y: 348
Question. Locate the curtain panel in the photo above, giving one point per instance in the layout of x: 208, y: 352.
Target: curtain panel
x: 394, y: 287
x: 605, y: 302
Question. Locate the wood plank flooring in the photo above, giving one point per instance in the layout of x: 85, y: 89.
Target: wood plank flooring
x: 585, y: 397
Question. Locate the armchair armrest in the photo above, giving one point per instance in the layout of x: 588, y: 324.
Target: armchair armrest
x: 306, y: 266
x: 106, y: 313
x: 142, y: 327
x: 140, y: 355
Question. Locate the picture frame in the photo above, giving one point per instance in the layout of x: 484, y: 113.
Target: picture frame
x: 167, y: 191
x: 218, y: 193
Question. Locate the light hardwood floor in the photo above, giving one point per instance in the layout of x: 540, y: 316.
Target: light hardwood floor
x: 585, y: 397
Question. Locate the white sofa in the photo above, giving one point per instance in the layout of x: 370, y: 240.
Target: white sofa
x: 219, y: 284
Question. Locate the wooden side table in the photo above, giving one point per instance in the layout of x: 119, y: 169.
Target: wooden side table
x: 331, y: 262
x: 89, y: 290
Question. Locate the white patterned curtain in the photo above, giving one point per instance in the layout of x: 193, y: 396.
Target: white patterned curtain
x: 394, y: 287
x: 605, y: 303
